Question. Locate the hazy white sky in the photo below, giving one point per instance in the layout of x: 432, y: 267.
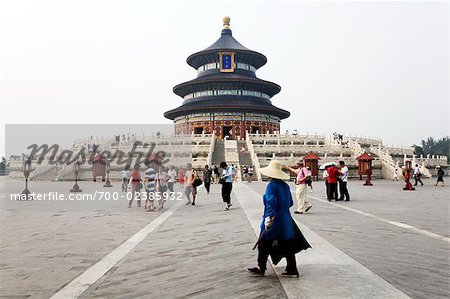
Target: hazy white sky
x: 371, y: 68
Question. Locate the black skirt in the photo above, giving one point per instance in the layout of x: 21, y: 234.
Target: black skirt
x: 283, y: 248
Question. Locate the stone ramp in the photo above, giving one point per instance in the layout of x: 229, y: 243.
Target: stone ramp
x: 325, y: 271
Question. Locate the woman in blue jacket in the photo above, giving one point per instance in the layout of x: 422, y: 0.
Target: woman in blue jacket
x: 280, y: 237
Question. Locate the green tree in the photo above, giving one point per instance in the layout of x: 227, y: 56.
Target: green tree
x: 430, y: 146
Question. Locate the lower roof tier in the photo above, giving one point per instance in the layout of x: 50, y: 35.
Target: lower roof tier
x: 230, y: 104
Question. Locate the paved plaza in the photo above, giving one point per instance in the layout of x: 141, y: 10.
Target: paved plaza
x: 384, y: 243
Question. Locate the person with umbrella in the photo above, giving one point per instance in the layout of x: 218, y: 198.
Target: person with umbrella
x: 280, y: 236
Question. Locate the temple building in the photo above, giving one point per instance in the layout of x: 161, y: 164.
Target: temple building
x: 226, y: 98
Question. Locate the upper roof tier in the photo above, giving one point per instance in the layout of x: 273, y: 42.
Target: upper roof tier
x: 227, y: 42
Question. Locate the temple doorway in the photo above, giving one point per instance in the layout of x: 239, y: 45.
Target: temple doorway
x: 227, y: 132
x: 198, y: 130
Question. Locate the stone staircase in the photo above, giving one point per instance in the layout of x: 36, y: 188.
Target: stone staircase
x: 245, y: 158
x: 388, y: 165
x: 232, y: 155
x: 219, y: 152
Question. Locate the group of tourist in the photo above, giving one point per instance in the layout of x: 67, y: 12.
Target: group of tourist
x: 210, y: 174
x: 333, y: 175
x: 338, y: 137
x: 157, y: 183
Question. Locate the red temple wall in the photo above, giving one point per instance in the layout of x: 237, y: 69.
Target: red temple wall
x: 238, y: 127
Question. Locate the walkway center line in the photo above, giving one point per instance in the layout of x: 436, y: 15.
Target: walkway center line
x: 398, y: 224
x: 80, y: 284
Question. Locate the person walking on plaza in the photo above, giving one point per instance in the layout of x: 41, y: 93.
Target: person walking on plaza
x: 280, y: 236
x: 440, y: 174
x: 309, y: 178
x: 250, y: 174
x: 172, y: 176
x: 216, y: 174
x: 125, y: 173
x: 325, y: 178
x: 136, y: 185
x: 213, y: 175
x: 343, y: 180
x: 162, y: 179
x: 235, y: 172
x: 150, y: 187
x: 190, y: 188
x: 245, y: 173
x: 302, y: 182
x: 333, y: 174
x: 417, y: 175
x: 207, y: 177
x: 181, y: 177
x: 395, y: 178
x: 227, y: 177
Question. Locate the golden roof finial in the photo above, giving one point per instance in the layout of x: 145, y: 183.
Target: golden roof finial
x: 226, y: 22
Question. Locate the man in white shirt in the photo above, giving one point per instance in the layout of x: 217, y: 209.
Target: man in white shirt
x: 172, y: 175
x: 125, y: 178
x: 343, y: 180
